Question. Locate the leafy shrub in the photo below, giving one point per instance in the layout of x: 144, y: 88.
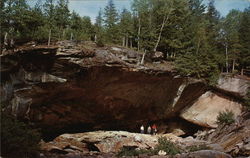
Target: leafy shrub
x: 226, y: 117
x: 198, y: 147
x: 167, y: 146
x: 17, y: 139
x: 163, y: 144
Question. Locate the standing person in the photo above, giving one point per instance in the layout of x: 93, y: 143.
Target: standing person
x: 154, y: 129
x: 142, y: 129
x: 149, y: 130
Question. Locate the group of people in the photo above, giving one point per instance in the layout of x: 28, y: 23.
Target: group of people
x: 150, y: 130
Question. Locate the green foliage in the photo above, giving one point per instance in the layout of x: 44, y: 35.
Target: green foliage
x: 244, y: 37
x: 198, y: 66
x: 187, y: 32
x: 17, y: 139
x: 167, y: 146
x: 110, y: 23
x: 194, y: 148
x: 163, y: 144
x: 226, y: 117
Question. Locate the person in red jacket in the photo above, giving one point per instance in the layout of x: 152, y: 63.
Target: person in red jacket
x: 154, y: 128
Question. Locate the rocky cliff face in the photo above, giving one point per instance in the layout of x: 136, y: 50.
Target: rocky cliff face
x: 72, y: 88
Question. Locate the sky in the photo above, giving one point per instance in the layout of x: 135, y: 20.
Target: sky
x: 91, y: 7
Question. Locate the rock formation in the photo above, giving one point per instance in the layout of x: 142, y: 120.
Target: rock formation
x: 74, y: 87
x: 80, y: 87
x: 205, y: 110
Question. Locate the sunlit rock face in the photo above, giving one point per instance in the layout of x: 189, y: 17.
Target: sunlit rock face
x: 73, y: 89
x: 237, y: 86
x: 97, y: 90
x: 206, y: 109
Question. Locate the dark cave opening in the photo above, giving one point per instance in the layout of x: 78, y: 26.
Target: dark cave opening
x: 163, y: 126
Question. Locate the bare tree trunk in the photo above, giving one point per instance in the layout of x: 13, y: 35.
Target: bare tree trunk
x: 233, y: 69
x: 138, y: 36
x: 95, y: 38
x: 242, y: 71
x: 226, y: 59
x: 5, y: 42
x: 165, y: 19
x: 123, y: 41
x: 49, y: 37
x: 143, y: 57
x: 71, y: 36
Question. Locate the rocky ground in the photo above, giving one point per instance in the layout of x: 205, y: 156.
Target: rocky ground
x: 222, y: 142
x: 79, y: 87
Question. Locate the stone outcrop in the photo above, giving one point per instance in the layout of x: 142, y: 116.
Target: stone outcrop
x: 237, y: 85
x: 100, y: 141
x: 111, y: 142
x: 205, y: 110
x: 75, y: 88
x: 233, y: 138
x: 80, y: 87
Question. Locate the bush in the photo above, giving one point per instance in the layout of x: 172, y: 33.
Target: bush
x: 17, y: 139
x: 226, y: 117
x: 167, y: 146
x: 163, y: 144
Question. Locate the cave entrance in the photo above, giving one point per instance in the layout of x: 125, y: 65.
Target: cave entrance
x: 175, y: 125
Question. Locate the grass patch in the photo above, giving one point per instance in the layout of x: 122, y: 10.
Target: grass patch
x: 163, y: 144
x: 226, y: 117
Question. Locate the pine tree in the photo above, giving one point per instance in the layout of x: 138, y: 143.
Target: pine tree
x: 99, y: 27
x: 125, y: 26
x: 62, y: 14
x: 244, y: 37
x: 230, y: 26
x: 110, y: 22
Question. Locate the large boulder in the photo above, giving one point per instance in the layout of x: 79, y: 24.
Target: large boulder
x: 236, y: 85
x: 205, y: 110
x: 74, y: 89
x: 100, y: 141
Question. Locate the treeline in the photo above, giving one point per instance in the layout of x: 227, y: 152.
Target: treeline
x: 195, y: 36
x: 47, y: 19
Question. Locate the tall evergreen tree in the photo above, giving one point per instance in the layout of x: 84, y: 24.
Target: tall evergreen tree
x: 99, y: 26
x: 110, y: 22
x: 244, y: 37
x: 125, y: 26
x: 230, y: 26
x: 62, y: 14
